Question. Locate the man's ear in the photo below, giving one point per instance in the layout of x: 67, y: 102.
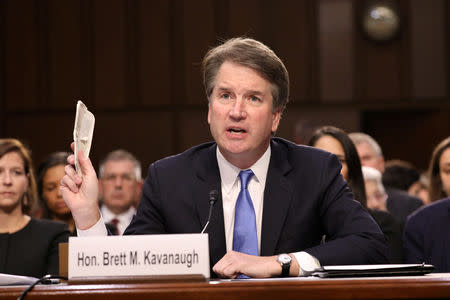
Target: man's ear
x: 139, y: 185
x: 382, y: 164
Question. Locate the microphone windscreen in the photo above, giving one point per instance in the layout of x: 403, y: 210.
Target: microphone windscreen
x: 213, y: 195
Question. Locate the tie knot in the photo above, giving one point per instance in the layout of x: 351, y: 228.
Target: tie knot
x: 245, y: 177
x: 115, y: 221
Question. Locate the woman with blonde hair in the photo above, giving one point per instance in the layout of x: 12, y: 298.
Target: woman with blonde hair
x: 28, y: 246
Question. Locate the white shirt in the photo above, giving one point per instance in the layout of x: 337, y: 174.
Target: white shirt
x: 231, y: 186
x: 123, y: 218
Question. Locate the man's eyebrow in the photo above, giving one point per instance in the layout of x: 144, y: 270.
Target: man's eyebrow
x: 222, y: 88
x: 254, y: 92
x: 250, y: 92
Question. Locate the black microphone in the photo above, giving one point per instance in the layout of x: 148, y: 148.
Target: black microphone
x: 213, y: 196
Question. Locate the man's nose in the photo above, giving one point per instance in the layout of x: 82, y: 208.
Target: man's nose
x: 118, y: 181
x: 238, y: 108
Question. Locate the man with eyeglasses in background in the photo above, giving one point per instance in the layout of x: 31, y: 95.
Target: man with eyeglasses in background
x: 120, y: 185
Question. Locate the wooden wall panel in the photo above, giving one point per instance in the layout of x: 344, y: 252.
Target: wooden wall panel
x: 199, y: 36
x: 428, y: 62
x: 145, y: 134
x: 245, y: 19
x: 346, y: 118
x: 154, y: 59
x: 336, y: 31
x: 2, y: 70
x: 109, y: 29
x: 193, y: 129
x: 64, y: 49
x: 382, y: 76
x: 21, y: 54
x: 43, y: 132
x: 298, y: 48
x: 137, y: 132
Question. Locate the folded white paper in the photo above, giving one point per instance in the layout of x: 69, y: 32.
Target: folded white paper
x: 82, y: 132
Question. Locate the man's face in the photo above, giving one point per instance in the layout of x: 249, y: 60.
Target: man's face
x: 369, y: 157
x: 240, y: 114
x: 119, y: 186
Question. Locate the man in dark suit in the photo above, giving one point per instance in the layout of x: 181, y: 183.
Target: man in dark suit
x: 427, y: 238
x: 276, y: 200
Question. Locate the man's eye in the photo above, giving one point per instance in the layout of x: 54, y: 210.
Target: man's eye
x: 110, y: 177
x: 254, y: 99
x: 225, y: 96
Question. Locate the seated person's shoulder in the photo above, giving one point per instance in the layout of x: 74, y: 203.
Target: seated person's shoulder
x: 49, y: 227
x: 432, y: 211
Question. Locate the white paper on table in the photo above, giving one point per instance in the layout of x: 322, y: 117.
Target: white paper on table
x: 8, y: 279
x: 83, y: 132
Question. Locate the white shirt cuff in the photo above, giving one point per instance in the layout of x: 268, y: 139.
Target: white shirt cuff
x: 306, y: 262
x: 99, y: 229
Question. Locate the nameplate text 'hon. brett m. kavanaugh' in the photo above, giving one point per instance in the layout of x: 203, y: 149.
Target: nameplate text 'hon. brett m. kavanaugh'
x: 165, y: 254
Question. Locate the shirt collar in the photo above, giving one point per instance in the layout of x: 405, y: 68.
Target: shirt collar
x: 108, y: 215
x: 229, y: 173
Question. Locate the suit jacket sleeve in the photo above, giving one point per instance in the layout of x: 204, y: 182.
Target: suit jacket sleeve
x: 413, y: 241
x: 352, y: 236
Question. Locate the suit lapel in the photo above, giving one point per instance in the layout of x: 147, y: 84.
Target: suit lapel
x: 207, y: 171
x: 277, y: 198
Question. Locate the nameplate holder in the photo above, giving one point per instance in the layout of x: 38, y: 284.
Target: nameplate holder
x: 138, y: 255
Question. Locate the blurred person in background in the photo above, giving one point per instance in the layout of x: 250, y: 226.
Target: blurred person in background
x: 421, y: 190
x: 28, y: 246
x: 399, y: 203
x: 336, y: 141
x: 49, y: 175
x: 402, y: 175
x: 427, y: 238
x: 120, y: 185
x: 439, y: 171
x: 375, y: 193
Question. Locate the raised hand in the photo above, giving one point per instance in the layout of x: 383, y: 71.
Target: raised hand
x: 81, y: 194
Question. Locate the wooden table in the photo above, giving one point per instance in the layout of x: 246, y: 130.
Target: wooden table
x: 432, y: 286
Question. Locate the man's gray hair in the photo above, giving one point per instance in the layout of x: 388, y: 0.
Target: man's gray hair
x: 120, y: 155
x: 359, y: 138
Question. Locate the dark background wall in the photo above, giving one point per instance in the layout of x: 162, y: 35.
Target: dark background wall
x: 135, y: 64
